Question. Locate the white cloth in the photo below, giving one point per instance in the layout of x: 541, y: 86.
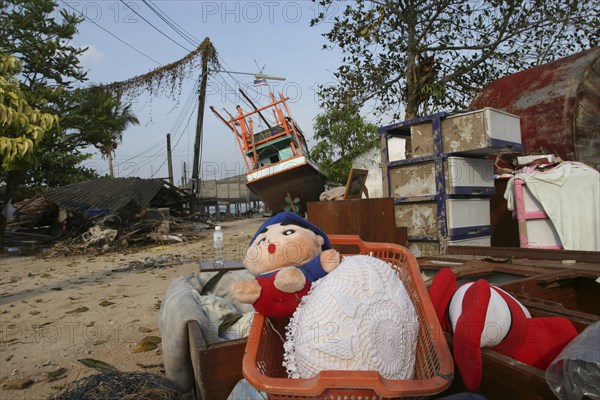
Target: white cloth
x: 337, y: 193
x: 8, y: 211
x: 570, y: 195
x: 358, y: 317
x: 182, y: 303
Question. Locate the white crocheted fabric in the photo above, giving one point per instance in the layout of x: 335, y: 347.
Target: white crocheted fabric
x: 358, y: 317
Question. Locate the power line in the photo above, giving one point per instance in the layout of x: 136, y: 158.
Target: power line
x: 176, y: 24
x: 159, y: 143
x: 151, y: 158
x: 169, y: 21
x: 180, y: 136
x: 155, y: 149
x: 110, y: 33
x: 188, y: 123
x: 185, y: 108
x: 149, y: 149
x: 176, y: 126
x: 192, y: 40
x: 222, y: 61
x: 188, y: 37
x: 152, y: 25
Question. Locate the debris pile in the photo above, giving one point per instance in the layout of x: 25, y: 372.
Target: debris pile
x: 110, y: 233
x: 105, y: 214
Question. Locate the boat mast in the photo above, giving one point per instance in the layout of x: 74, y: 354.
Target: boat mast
x: 255, y: 108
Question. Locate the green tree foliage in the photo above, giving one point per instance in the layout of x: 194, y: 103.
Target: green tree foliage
x: 21, y: 128
x: 100, y: 118
x: 39, y: 35
x: 431, y: 55
x: 342, y: 134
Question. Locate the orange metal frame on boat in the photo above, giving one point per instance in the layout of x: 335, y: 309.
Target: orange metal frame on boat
x: 245, y: 136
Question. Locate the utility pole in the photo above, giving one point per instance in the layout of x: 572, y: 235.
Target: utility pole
x: 198, y: 141
x: 169, y: 159
x: 184, y: 181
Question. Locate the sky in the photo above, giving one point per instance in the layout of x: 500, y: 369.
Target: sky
x: 272, y: 36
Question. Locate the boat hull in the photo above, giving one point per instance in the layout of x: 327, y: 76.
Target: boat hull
x: 302, y: 181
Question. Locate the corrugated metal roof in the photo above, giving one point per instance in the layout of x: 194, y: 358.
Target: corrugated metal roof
x: 109, y: 193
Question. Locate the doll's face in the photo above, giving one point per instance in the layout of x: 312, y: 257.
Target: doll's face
x: 281, y: 246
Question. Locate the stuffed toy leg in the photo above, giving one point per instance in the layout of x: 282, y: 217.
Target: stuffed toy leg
x: 484, y: 316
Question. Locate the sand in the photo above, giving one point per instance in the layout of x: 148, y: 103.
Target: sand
x: 56, y: 311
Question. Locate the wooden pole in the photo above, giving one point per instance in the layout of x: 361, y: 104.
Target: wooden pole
x: 169, y: 158
x: 198, y: 141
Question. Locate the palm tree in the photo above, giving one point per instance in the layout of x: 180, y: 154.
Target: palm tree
x: 101, y: 120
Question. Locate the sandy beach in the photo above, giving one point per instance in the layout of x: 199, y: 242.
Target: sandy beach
x: 55, y: 311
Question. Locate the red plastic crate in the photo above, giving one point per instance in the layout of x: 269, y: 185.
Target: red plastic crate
x: 434, y: 370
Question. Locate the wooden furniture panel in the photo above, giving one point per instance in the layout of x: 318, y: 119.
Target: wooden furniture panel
x: 217, y: 367
x: 371, y: 219
x: 505, y: 230
x: 504, y: 378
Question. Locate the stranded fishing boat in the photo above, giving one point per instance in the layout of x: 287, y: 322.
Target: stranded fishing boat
x: 280, y: 172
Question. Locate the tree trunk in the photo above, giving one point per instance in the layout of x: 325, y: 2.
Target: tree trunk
x: 411, y: 82
x: 110, y: 164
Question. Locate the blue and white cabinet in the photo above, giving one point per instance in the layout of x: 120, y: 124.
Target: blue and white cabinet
x: 441, y: 187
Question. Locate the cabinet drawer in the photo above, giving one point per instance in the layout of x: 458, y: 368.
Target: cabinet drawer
x: 464, y: 218
x: 463, y: 176
x: 479, y: 132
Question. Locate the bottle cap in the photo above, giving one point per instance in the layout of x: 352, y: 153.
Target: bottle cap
x: 217, y: 228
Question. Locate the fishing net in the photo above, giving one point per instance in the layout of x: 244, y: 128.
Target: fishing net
x: 120, y: 386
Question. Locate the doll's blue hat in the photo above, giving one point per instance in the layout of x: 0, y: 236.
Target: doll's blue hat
x: 289, y: 217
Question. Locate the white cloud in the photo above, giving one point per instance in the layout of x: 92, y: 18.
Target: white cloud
x: 91, y: 56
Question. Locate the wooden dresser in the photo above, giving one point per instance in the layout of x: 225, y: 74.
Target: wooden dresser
x: 372, y: 219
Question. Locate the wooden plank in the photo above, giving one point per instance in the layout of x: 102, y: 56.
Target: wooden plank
x: 504, y: 378
x: 505, y: 230
x: 217, y: 367
x: 569, y: 293
x: 592, y: 257
x: 334, y: 217
x: 377, y: 222
x: 371, y: 219
x: 196, y: 341
x: 480, y: 267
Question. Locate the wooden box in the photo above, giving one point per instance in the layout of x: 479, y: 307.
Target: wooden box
x: 217, y: 367
x: 463, y: 176
x: 481, y: 132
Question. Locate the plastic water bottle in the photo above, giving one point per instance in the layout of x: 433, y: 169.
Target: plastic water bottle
x: 219, y: 247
